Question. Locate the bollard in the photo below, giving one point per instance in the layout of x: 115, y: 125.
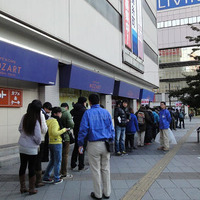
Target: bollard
x: 198, y: 131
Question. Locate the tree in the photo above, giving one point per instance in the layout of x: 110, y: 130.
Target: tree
x: 191, y: 95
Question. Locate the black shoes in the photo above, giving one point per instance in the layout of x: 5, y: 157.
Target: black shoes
x: 94, y: 197
x: 105, y: 197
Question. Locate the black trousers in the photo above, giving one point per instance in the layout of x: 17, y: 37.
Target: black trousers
x: 129, y: 141
x: 29, y: 160
x: 76, y: 156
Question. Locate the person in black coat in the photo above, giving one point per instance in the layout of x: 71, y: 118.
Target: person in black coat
x: 77, y: 113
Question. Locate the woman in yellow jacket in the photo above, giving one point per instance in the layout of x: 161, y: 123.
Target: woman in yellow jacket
x: 55, y: 130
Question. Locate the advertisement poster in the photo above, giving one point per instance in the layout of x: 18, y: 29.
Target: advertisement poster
x: 127, y: 24
x: 134, y: 27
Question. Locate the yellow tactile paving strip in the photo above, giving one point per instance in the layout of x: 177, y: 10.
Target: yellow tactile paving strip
x: 139, y: 190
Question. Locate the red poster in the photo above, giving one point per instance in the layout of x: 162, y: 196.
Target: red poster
x: 127, y: 23
x: 10, y: 97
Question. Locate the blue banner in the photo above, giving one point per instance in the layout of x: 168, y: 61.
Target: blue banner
x: 168, y: 4
x: 146, y: 94
x: 78, y: 78
x: 123, y: 89
x: 19, y: 63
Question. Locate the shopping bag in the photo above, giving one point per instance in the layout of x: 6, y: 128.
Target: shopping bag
x: 172, y: 139
x: 157, y: 139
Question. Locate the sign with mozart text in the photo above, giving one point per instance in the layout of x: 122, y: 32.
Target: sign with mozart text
x: 11, y: 97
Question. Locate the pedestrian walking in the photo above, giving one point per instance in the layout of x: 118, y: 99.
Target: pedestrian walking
x: 191, y: 115
x: 77, y: 113
x: 55, y: 131
x: 96, y: 126
x: 181, y: 118
x: 30, y: 138
x: 164, y: 124
x: 131, y: 129
x: 68, y: 123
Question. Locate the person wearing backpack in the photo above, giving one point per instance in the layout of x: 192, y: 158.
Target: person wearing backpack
x: 141, y: 117
x: 181, y: 118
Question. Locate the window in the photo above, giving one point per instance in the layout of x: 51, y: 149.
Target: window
x: 198, y: 19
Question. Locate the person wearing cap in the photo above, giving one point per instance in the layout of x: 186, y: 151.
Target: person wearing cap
x: 77, y: 113
x: 67, y: 122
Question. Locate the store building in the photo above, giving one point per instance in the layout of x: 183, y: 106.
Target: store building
x: 175, y: 61
x: 57, y: 51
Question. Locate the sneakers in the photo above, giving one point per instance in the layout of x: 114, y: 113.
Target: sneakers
x: 118, y: 153
x: 66, y: 176
x: 165, y: 149
x: 94, y: 197
x: 47, y: 180
x: 59, y: 181
x: 124, y: 152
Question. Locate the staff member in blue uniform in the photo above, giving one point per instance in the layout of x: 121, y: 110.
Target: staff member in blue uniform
x: 96, y: 126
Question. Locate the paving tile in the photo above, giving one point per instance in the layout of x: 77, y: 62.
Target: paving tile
x: 159, y: 194
x: 119, y: 184
x: 131, y: 183
x: 193, y: 193
x: 177, y: 193
x: 165, y: 183
x: 195, y: 183
x: 147, y: 196
x: 119, y: 193
x: 181, y: 183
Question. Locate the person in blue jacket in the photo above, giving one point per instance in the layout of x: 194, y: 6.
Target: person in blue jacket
x: 164, y: 124
x: 131, y: 129
x: 97, y: 128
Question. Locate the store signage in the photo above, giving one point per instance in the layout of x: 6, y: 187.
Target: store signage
x: 127, y: 23
x: 11, y: 97
x: 178, y: 104
x: 144, y: 101
x: 22, y: 64
x: 168, y: 4
x: 140, y: 31
x: 134, y: 27
x: 170, y: 52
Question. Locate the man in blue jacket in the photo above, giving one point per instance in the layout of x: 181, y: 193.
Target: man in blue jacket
x: 96, y: 126
x: 164, y: 123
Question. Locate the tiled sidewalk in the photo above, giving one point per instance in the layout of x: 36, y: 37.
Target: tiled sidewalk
x: 179, y: 180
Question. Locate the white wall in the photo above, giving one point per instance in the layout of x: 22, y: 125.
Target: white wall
x: 10, y: 117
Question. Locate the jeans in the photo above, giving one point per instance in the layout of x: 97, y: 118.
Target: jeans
x: 119, y: 138
x: 55, y: 161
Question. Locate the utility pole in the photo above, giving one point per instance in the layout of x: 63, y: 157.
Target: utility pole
x: 169, y: 96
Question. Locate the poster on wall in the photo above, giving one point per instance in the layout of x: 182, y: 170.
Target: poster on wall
x: 10, y: 97
x: 140, y: 30
x: 134, y: 27
x: 127, y: 24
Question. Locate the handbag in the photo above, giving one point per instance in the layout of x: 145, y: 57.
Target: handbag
x: 109, y: 145
x: 71, y: 136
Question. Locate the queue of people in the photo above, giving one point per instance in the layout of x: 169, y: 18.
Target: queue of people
x: 45, y: 129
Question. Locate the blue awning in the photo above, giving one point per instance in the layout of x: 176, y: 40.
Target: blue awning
x: 146, y: 94
x: 23, y: 64
x: 126, y: 90
x: 78, y: 78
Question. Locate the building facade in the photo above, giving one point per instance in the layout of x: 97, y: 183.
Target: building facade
x: 59, y: 50
x: 175, y: 62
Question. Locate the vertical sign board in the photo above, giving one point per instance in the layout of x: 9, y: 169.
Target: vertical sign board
x: 169, y: 4
x: 140, y: 30
x: 127, y: 23
x: 10, y: 97
x: 134, y: 27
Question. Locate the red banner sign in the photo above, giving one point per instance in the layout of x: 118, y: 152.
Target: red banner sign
x: 11, y: 97
x: 127, y: 23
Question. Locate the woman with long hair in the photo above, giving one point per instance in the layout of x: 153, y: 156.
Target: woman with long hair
x: 30, y: 138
